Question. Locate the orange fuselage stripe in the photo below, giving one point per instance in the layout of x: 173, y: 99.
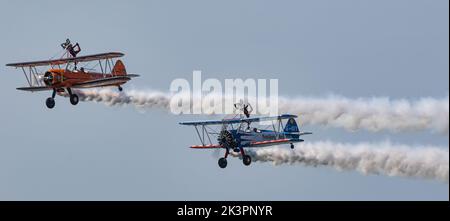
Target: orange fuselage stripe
x: 65, y: 78
x: 270, y: 141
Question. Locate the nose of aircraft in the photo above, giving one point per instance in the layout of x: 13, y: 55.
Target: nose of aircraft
x: 48, y: 78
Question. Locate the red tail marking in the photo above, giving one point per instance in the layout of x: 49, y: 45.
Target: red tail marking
x: 119, y: 69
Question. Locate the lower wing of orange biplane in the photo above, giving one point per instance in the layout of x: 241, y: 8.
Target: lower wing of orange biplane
x: 110, y: 81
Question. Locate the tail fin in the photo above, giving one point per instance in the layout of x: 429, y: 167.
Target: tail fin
x: 119, y: 69
x: 291, y: 126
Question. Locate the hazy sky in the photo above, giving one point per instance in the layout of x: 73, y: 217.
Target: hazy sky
x: 395, y: 48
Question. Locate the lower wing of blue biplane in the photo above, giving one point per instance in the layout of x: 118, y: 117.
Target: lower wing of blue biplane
x: 252, y: 144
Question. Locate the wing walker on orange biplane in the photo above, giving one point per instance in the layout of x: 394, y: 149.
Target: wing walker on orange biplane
x: 63, y: 74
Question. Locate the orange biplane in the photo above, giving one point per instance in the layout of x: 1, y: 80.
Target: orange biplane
x: 63, y: 74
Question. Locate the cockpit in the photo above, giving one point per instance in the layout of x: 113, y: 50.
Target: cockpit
x: 249, y: 130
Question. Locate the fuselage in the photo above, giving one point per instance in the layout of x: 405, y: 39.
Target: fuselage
x: 62, y: 78
x: 252, y: 137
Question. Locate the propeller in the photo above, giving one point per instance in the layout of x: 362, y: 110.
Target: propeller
x: 226, y: 139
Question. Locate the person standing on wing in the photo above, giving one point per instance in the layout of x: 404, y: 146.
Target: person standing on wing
x: 72, y: 49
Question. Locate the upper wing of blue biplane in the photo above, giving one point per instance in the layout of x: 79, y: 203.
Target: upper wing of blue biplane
x: 238, y: 120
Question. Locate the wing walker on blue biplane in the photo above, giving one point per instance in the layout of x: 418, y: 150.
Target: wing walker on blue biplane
x: 63, y: 74
x: 236, y: 133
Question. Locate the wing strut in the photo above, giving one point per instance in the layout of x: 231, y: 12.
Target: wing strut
x: 32, y: 76
x: 202, y: 136
x: 25, y: 73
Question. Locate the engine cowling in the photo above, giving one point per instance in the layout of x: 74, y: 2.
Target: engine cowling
x: 48, y: 78
x: 226, y: 139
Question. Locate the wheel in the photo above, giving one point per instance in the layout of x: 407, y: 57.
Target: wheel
x: 222, y: 162
x: 247, y: 160
x: 74, y: 99
x: 50, y: 102
x: 292, y: 146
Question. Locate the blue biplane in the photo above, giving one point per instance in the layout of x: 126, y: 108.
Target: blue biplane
x: 237, y: 134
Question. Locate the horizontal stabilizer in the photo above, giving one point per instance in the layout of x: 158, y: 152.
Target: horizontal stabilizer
x: 133, y: 75
x: 305, y: 133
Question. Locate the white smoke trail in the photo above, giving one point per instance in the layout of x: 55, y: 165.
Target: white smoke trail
x: 425, y: 162
x: 139, y: 99
x: 374, y: 114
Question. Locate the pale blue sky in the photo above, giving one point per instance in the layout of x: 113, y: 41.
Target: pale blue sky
x: 396, y: 48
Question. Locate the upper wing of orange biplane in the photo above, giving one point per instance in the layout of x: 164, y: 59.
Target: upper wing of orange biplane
x: 86, y: 58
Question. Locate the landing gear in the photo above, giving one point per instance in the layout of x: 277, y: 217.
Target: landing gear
x: 247, y: 160
x: 292, y: 146
x: 73, y: 97
x: 222, y: 162
x: 120, y: 88
x: 50, y: 102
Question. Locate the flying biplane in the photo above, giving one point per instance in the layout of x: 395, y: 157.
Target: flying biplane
x: 236, y: 134
x: 63, y: 73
